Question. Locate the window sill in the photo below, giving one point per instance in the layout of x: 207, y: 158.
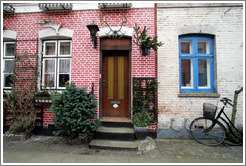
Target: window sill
x: 199, y: 94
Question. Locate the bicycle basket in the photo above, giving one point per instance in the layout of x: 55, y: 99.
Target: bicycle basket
x: 209, y: 110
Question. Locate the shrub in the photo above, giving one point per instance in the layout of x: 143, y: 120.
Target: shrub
x: 142, y: 119
x: 74, y: 111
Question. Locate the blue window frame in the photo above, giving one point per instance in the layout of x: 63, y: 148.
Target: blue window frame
x: 196, y: 63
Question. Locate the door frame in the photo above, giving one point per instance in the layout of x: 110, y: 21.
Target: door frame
x: 120, y: 47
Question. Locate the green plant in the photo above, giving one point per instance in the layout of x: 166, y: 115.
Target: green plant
x: 19, y: 101
x: 143, y: 101
x: 74, y: 112
x: 145, y: 41
x: 142, y: 119
x: 42, y: 94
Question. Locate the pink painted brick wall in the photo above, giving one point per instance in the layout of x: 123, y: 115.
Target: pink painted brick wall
x: 85, y: 59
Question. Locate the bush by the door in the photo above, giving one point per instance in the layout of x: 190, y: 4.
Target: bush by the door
x: 74, y: 111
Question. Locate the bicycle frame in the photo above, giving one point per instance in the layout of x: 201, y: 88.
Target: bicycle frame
x: 229, y: 123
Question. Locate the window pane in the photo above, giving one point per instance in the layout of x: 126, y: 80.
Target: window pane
x: 121, y: 85
x: 10, y: 49
x: 7, y: 80
x: 50, y: 48
x: 186, y: 47
x: 49, y: 80
x: 63, y: 80
x: 9, y: 65
x: 187, y: 72
x: 64, y: 66
x: 204, y: 72
x: 203, y: 47
x: 110, y: 77
x: 49, y: 66
x: 64, y: 48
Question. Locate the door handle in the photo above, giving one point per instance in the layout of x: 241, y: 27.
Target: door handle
x: 103, y: 83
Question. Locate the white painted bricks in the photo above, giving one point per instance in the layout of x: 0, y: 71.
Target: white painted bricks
x: 226, y: 23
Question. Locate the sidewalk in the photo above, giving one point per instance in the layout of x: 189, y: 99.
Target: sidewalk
x: 43, y: 149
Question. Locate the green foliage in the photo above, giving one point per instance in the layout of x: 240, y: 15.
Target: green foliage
x: 142, y: 119
x: 42, y: 94
x: 143, y: 40
x: 19, y: 101
x: 142, y: 101
x: 74, y: 111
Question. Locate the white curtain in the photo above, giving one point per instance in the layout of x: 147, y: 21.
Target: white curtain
x: 50, y: 48
x: 50, y: 66
x: 64, y: 66
x: 65, y: 48
x: 9, y: 65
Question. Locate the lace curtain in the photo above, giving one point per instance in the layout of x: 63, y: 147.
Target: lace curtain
x: 64, y: 66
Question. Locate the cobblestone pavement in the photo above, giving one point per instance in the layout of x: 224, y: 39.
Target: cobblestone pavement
x: 176, y: 150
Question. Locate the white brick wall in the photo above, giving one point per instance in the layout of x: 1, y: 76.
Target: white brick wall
x: 226, y: 23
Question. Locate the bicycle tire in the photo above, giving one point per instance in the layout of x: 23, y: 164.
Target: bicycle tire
x: 200, y: 131
x: 234, y: 139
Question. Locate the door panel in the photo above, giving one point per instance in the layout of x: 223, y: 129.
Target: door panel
x: 115, y: 83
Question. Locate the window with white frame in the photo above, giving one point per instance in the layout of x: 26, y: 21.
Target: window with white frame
x: 56, y: 72
x: 8, y: 59
x: 196, y: 64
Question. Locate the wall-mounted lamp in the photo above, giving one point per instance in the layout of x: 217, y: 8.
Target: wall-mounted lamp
x: 93, y: 28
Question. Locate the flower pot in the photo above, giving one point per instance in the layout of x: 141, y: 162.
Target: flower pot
x: 145, y: 50
x: 141, y: 132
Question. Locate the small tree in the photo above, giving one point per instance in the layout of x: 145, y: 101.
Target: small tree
x: 19, y: 101
x: 74, y: 111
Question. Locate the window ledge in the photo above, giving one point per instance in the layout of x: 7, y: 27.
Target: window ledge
x: 199, y: 94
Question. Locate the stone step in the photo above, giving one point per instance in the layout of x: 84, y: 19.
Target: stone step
x: 116, y: 122
x: 115, y: 133
x: 113, y: 144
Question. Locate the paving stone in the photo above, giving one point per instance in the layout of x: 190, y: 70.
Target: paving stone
x: 167, y: 150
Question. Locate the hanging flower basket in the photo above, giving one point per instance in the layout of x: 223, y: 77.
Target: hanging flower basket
x: 145, y: 50
x: 145, y: 42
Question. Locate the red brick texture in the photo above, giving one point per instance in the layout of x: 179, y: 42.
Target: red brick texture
x: 85, y: 59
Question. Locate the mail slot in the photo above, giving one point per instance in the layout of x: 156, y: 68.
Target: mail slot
x: 115, y: 102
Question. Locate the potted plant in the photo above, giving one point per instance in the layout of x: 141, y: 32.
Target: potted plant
x: 42, y: 96
x: 145, y: 42
x: 141, y: 120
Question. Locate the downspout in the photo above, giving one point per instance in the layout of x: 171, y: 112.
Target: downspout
x: 156, y: 63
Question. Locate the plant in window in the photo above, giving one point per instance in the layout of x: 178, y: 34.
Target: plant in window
x: 74, y: 112
x: 145, y: 42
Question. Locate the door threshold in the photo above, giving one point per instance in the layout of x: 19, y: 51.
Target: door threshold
x: 116, y: 119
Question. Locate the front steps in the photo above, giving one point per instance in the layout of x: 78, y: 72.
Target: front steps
x: 114, y: 135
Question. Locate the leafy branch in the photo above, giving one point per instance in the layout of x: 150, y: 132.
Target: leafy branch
x: 143, y: 40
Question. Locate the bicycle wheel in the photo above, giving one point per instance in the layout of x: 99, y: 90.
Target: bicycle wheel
x: 207, y: 131
x: 234, y: 138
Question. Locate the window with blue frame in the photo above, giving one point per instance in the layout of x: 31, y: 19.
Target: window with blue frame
x: 196, y: 63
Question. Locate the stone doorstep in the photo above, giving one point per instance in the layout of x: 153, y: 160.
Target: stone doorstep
x: 112, y: 144
x: 103, y: 129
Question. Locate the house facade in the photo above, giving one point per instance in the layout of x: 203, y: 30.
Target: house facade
x: 68, y: 53
x: 201, y: 59
x: 200, y: 62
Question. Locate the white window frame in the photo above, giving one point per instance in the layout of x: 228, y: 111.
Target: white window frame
x: 59, y: 44
x: 191, y: 76
x: 6, y: 58
x: 43, y: 80
x: 5, y: 43
x: 51, y: 41
x: 55, y: 57
x: 58, y: 72
x: 4, y: 73
x: 208, y: 76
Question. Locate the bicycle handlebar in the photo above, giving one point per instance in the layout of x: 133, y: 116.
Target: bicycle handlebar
x: 225, y: 100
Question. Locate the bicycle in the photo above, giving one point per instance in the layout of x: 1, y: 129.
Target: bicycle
x: 208, y: 130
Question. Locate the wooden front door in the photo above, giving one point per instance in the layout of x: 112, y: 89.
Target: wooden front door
x: 115, y: 83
